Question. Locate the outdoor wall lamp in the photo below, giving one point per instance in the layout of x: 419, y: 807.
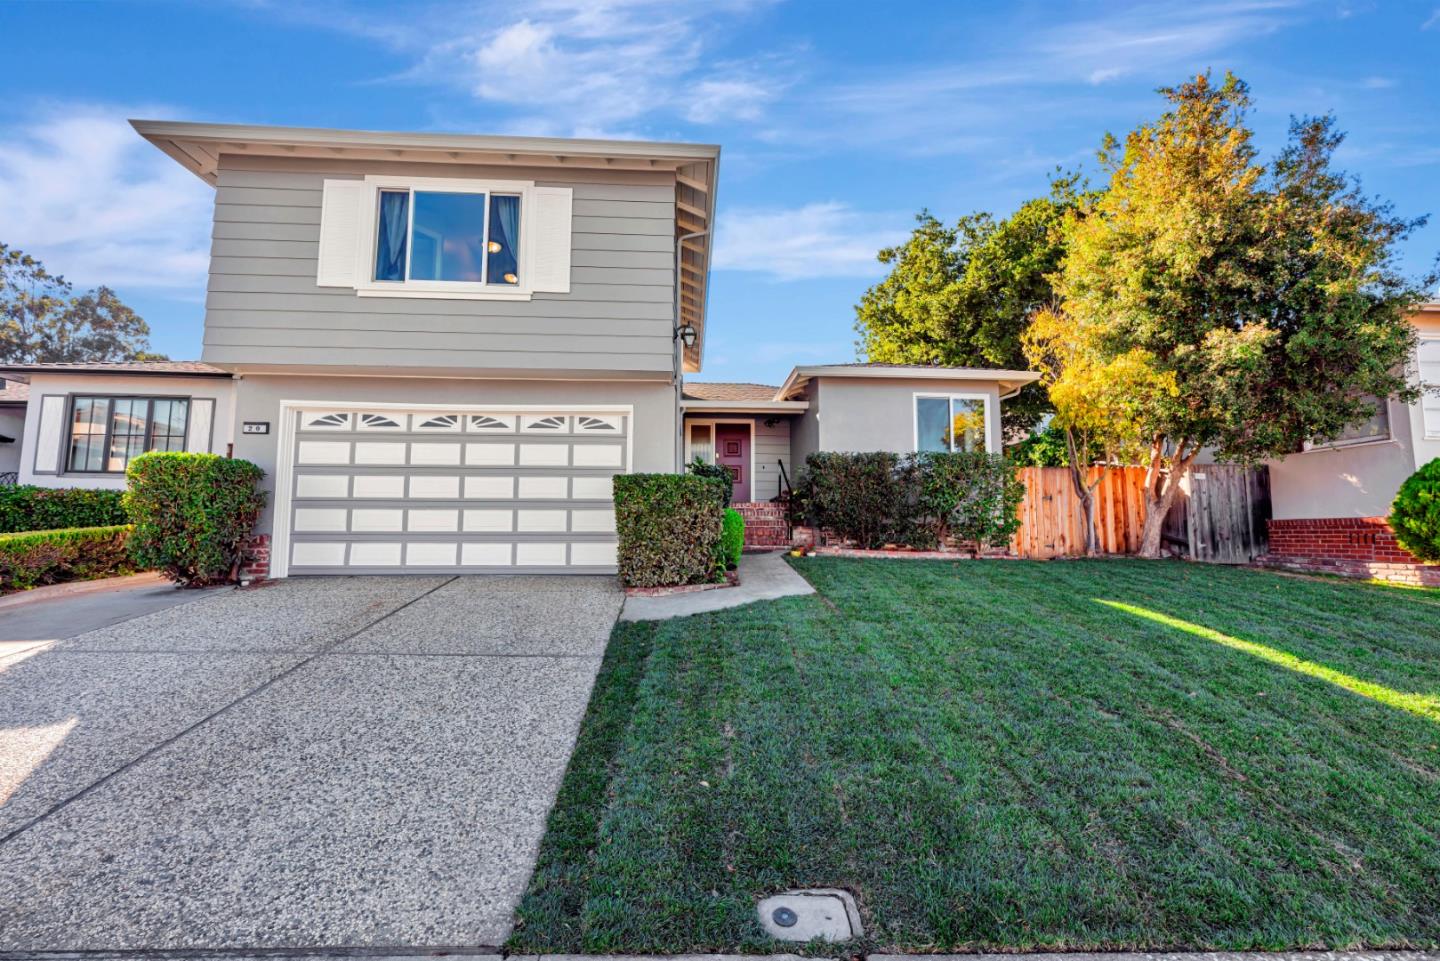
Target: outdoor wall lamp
x: 685, y: 333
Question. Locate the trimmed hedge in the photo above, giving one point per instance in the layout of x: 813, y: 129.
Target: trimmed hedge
x: 1415, y: 514
x: 720, y: 473
x: 30, y: 508
x: 865, y: 498
x: 35, y: 558
x: 669, y: 529
x: 917, y: 500
x: 732, y: 538
x: 193, y: 514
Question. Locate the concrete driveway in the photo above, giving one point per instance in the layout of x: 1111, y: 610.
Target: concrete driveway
x: 315, y: 763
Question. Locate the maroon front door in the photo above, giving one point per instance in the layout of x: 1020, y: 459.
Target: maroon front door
x: 732, y: 450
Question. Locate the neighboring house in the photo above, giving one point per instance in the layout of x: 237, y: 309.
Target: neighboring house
x: 1330, y: 501
x: 443, y: 347
x: 84, y: 422
x: 13, y: 394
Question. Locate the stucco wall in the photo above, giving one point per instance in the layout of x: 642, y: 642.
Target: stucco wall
x: 259, y: 398
x: 865, y: 414
x: 1357, y: 481
x: 219, y: 389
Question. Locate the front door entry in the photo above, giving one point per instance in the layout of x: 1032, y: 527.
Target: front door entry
x: 732, y: 451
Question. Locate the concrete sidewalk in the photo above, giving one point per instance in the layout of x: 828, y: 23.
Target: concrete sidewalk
x: 763, y: 577
x: 66, y: 610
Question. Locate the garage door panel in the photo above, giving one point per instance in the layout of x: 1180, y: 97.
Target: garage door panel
x: 425, y: 491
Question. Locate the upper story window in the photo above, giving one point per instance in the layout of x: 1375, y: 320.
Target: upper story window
x: 439, y: 237
x: 107, y: 432
x: 950, y: 422
x: 464, y: 237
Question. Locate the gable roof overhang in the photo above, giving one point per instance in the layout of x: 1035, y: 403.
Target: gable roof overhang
x: 1009, y: 381
x: 198, y: 148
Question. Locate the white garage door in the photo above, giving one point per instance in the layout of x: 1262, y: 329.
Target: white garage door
x: 425, y: 490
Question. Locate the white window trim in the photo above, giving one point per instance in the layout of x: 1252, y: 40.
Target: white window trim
x: 445, y: 289
x: 1429, y: 430
x: 915, y: 415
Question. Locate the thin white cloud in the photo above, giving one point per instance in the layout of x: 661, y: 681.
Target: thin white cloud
x: 1432, y: 21
x: 81, y: 191
x: 817, y: 240
x: 574, y: 67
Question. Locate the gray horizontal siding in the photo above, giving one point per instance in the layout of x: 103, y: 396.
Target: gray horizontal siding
x: 263, y: 306
x: 772, y: 444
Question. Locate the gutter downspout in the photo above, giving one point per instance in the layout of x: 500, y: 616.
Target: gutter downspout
x: 676, y: 351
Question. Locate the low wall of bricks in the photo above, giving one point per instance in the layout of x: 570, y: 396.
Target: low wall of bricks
x: 1346, y: 546
x: 765, y: 526
x: 256, y: 566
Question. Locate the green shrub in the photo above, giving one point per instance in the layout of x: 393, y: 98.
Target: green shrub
x: 1415, y: 515
x: 34, y: 558
x: 971, y: 496
x: 193, y: 514
x: 722, y: 474
x: 30, y: 508
x: 732, y: 538
x: 669, y: 527
x: 865, y: 498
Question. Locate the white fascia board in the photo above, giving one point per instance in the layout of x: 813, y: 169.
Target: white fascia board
x: 1007, y: 379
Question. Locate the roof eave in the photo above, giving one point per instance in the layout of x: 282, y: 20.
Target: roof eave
x: 1006, y: 379
x: 746, y: 406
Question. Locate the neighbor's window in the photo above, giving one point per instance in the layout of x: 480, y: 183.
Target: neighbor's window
x: 106, y: 432
x: 1377, y: 427
x: 953, y: 422
x: 447, y: 236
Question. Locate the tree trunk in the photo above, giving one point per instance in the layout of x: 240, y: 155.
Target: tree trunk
x: 1160, y: 488
x: 1086, y: 494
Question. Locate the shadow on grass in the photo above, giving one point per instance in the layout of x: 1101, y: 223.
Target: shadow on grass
x: 1420, y: 704
x: 554, y: 903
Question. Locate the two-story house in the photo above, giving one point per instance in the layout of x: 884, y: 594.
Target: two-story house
x: 441, y: 348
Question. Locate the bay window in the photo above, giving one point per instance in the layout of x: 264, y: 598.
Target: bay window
x: 950, y: 422
x: 107, y: 432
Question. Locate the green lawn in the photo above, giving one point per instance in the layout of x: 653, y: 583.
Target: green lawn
x: 1104, y: 754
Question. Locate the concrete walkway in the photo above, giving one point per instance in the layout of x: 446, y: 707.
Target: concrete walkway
x: 65, y: 610
x: 763, y: 577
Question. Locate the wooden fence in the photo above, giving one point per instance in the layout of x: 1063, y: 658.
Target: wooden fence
x: 1052, y: 520
x: 1218, y: 515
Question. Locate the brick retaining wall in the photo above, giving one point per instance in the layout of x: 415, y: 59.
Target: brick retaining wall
x: 764, y: 524
x: 1348, y: 546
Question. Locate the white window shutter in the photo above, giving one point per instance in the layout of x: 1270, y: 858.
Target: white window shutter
x: 202, y: 413
x: 49, y: 434
x: 550, y: 250
x: 341, y: 214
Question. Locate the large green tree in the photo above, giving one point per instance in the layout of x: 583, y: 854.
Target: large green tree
x: 42, y: 320
x: 963, y: 295
x: 1254, y: 308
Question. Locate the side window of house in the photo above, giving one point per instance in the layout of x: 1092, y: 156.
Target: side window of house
x: 953, y: 422
x: 107, y: 432
x: 1430, y: 374
x: 429, y: 237
x: 1376, y: 427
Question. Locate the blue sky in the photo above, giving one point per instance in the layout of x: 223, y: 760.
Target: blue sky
x: 838, y: 120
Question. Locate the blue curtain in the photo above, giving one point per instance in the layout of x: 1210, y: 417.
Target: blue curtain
x: 390, y: 244
x: 505, y: 230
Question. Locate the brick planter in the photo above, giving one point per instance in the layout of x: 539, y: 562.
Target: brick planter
x: 1346, y: 546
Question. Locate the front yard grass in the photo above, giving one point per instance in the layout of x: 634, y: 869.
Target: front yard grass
x: 1012, y: 755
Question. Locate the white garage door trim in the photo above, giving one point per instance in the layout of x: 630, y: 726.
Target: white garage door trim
x: 287, y: 443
